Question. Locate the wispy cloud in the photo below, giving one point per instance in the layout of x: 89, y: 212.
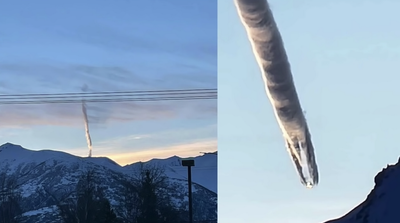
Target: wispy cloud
x: 113, y: 49
x: 176, y: 135
x: 40, y: 79
x: 13, y: 131
x: 101, y: 113
x: 122, y: 139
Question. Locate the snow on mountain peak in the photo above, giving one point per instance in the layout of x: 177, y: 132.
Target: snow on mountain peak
x: 382, y: 204
x: 37, y: 172
x: 203, y: 173
x: 9, y: 145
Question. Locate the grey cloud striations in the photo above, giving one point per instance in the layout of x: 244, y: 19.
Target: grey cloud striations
x: 270, y: 53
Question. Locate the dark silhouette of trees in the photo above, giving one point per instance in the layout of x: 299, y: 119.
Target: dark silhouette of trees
x: 9, y: 199
x: 150, y: 198
x: 147, y: 199
x: 90, y: 205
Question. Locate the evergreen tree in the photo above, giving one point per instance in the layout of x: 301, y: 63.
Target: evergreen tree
x: 152, y: 202
x: 91, y: 206
x: 86, y: 197
x: 148, y: 201
x: 105, y: 214
x: 9, y: 199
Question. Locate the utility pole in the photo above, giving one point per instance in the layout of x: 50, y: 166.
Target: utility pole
x: 189, y: 163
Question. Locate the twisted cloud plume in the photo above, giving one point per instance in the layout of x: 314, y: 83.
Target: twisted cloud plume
x: 88, y: 138
x: 268, y: 48
x: 85, y: 117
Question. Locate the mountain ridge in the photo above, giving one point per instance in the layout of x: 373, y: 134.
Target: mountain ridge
x: 14, y: 146
x: 381, y: 204
x: 44, y: 169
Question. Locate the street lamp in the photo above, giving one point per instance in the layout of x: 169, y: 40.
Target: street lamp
x: 189, y: 162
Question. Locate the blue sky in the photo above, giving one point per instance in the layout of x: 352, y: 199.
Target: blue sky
x: 344, y: 57
x: 56, y: 47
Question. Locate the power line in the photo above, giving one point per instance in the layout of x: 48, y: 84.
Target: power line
x: 125, y: 96
x: 17, y: 102
x: 112, y: 95
x: 113, y: 92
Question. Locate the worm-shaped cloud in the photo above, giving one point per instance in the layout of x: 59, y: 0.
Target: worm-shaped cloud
x: 270, y: 53
x: 88, y: 138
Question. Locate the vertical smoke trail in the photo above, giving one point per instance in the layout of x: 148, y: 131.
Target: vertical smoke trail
x: 268, y: 48
x: 88, y: 139
x: 85, y: 117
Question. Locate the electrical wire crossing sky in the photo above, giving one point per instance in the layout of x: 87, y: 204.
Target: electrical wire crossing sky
x: 270, y: 54
x: 121, y: 96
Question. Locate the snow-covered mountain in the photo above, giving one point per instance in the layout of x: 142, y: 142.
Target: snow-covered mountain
x: 38, y: 171
x: 383, y: 202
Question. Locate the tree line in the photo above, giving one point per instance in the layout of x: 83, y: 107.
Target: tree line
x: 146, y: 200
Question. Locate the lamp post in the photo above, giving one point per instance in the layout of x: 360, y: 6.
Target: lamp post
x: 189, y: 163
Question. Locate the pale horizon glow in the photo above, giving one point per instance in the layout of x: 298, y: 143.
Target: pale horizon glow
x: 184, y: 150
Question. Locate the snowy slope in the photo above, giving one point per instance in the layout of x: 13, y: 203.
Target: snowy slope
x: 203, y: 173
x: 16, y: 155
x: 382, y: 204
x: 38, y: 171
